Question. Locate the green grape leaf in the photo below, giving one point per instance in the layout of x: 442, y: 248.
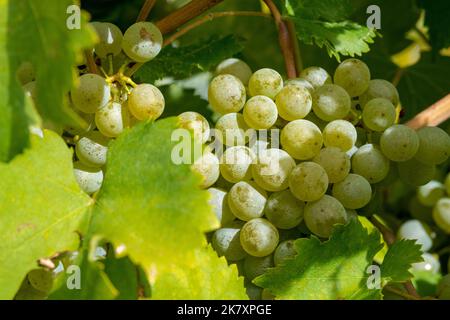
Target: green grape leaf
x: 436, y: 18
x: 185, y: 61
x: 334, y: 269
x: 41, y: 209
x: 84, y: 279
x: 331, y: 10
x: 398, y: 260
x: 36, y: 32
x: 209, y: 278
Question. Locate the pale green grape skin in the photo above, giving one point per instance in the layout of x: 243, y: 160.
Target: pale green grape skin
x: 379, y: 114
x: 256, y: 266
x: 142, y: 41
x: 441, y: 214
x: 331, y: 102
x: 284, y: 251
x: 259, y: 237
x: 399, y: 143
x: 226, y: 242
x: 283, y: 210
x: 335, y: 162
x: 41, y: 279
x: 434, y: 145
x: 91, y: 93
x: 443, y: 289
x: 219, y: 203
x: 235, y: 67
x: 226, y: 94
x: 235, y: 164
x: 308, y: 181
x: 88, y: 178
x: 447, y: 184
x: 370, y: 163
x: 272, y: 169
x: 231, y: 130
x: 380, y: 88
x: 146, y: 102
x: 260, y: 112
x: 430, y: 264
x: 302, y: 139
x: 353, y: 192
x: 266, y: 82
x: 300, y: 82
x: 110, y: 39
x: 207, y: 166
x: 316, y: 76
x: 321, y: 215
x: 416, y: 230
x: 26, y: 73
x: 293, y: 102
x: 196, y: 124
x: 353, y: 75
x: 112, y: 120
x: 430, y: 193
x: 415, y: 173
x: 92, y: 149
x: 247, y: 200
x: 340, y: 134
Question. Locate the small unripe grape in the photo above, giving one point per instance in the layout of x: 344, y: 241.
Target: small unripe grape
x: 146, y: 102
x: 235, y: 67
x: 196, y: 123
x: 302, y: 139
x: 247, y: 200
x: 142, y: 41
x: 321, y: 215
x: 260, y: 112
x: 284, y: 210
x: 300, y: 82
x: 293, y: 102
x: 331, y: 102
x: 316, y: 76
x: 112, y: 119
x: 434, y: 145
x: 91, y: 93
x: 284, y: 251
x: 308, y: 181
x: 340, y: 134
x: 89, y: 179
x: 430, y: 264
x: 416, y: 230
x: 207, y: 166
x: 110, y: 39
x: 266, y: 82
x: 92, y: 149
x: 379, y: 114
x: 379, y: 88
x: 259, y: 237
x: 415, y: 173
x: 353, y: 75
x: 335, y: 162
x: 219, y: 203
x: 399, y: 143
x: 441, y: 214
x: 256, y: 266
x: 353, y: 192
x: 226, y: 242
x: 235, y: 164
x: 430, y: 193
x: 231, y: 130
x: 370, y: 163
x: 226, y: 94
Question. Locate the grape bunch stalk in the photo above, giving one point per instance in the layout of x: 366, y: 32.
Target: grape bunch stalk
x: 341, y: 143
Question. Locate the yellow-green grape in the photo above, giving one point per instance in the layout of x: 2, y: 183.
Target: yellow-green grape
x: 142, y: 41
x: 416, y: 230
x: 300, y: 82
x: 226, y: 94
x: 235, y: 67
x: 146, y: 102
x: 260, y: 112
x: 89, y: 179
x: 26, y: 73
x: 112, y: 120
x: 226, y: 241
x: 415, y: 173
x: 91, y: 93
x: 207, y: 166
x: 331, y: 102
x: 259, y: 237
x: 284, y: 210
x: 353, y: 192
x: 379, y: 88
x: 430, y: 193
x: 322, y: 215
x: 370, y: 163
x: 293, y: 102
x: 430, y: 263
x: 256, y: 266
x: 441, y: 214
x: 196, y: 124
x: 340, y: 134
x: 41, y: 279
x: 434, y: 145
x: 447, y: 184
x: 399, y: 143
x: 284, y: 251
x: 91, y: 149
x: 351, y: 214
x: 302, y: 139
x: 266, y: 82
x: 231, y: 130
x: 235, y: 164
x: 335, y: 162
x: 379, y: 114
x: 218, y: 201
x: 443, y: 289
x: 247, y: 200
x: 88, y: 126
x: 353, y: 75
x: 272, y: 169
x: 316, y: 76
x: 110, y: 39
x: 308, y: 181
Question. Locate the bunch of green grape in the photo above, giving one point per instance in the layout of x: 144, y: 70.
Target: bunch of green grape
x: 339, y: 141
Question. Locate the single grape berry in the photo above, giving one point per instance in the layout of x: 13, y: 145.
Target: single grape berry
x: 146, y: 102
x: 142, y: 41
x: 259, y: 237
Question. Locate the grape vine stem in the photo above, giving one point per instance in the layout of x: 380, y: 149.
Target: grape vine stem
x: 433, y: 115
x: 145, y: 10
x: 90, y: 62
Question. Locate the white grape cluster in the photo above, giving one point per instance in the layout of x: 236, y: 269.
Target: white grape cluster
x: 339, y: 140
